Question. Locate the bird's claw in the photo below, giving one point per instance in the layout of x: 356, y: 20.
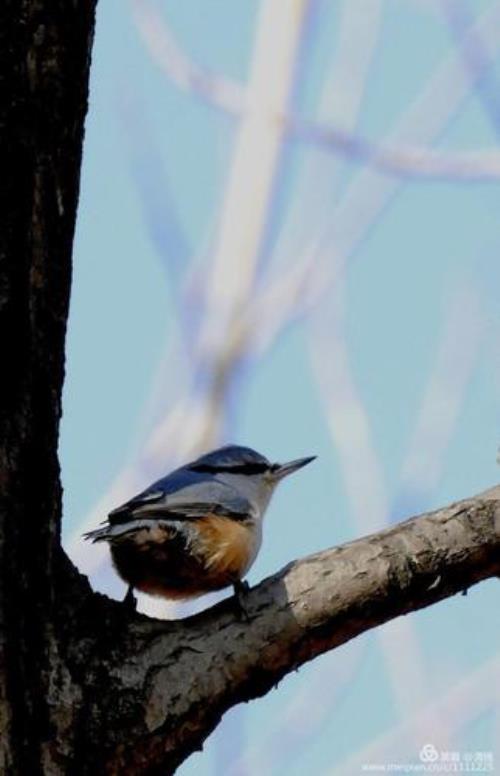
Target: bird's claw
x: 241, y: 588
x: 130, y: 601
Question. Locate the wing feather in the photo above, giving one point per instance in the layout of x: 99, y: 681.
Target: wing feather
x: 185, y: 497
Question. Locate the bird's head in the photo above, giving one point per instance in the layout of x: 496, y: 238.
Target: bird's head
x: 248, y: 472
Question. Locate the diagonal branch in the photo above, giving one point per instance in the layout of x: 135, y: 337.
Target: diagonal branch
x: 169, y: 683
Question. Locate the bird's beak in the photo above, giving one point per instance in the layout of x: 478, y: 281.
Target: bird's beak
x: 281, y: 470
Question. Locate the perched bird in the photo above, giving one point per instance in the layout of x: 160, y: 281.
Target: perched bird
x: 199, y: 528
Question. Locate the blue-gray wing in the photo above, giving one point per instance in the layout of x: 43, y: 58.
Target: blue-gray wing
x: 183, y: 495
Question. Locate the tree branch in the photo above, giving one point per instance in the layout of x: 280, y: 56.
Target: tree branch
x: 169, y: 683
x: 231, y: 96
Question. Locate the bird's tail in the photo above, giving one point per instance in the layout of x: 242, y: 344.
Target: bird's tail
x: 112, y: 533
x: 99, y: 534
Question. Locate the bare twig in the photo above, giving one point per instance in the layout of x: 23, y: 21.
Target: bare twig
x: 369, y: 193
x: 476, y: 57
x: 404, y: 160
x: 232, y: 97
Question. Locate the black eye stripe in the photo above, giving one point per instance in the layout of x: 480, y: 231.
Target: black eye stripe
x: 243, y: 468
x: 249, y: 468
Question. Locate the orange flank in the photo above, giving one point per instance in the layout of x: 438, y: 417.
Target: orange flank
x: 225, y: 546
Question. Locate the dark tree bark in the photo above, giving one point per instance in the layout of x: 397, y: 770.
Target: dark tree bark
x: 86, y: 687
x: 45, y: 53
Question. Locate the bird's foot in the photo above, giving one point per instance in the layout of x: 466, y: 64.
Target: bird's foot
x: 130, y: 601
x: 241, y: 589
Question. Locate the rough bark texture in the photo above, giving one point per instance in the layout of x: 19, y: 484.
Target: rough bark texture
x: 86, y: 687
x: 168, y: 683
x: 44, y: 62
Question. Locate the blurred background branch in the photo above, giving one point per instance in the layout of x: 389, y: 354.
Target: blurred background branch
x: 234, y: 98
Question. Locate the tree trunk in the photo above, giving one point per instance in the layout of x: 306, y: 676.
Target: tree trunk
x: 87, y: 687
x: 45, y: 54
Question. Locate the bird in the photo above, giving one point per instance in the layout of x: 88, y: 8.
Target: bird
x: 198, y: 529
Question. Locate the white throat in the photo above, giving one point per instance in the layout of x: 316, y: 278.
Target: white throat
x: 255, y: 488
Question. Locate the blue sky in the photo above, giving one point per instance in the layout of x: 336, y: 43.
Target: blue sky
x: 390, y: 375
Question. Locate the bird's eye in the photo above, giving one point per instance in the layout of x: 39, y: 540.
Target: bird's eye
x: 204, y: 468
x: 248, y: 468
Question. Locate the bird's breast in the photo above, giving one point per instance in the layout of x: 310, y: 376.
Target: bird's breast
x: 226, y: 547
